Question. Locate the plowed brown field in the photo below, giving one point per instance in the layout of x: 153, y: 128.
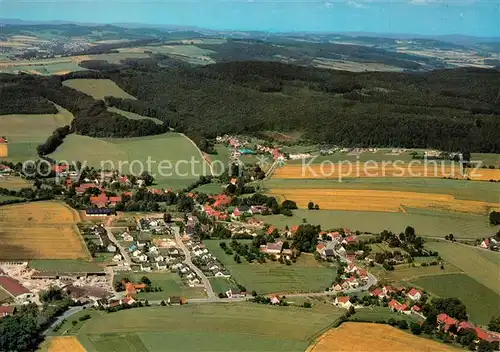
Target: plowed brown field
x: 361, y: 337
x: 40, y: 230
x: 379, y: 169
x: 65, y: 344
x: 387, y: 201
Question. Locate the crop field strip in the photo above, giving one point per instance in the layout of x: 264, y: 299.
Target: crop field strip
x: 357, y: 337
x: 383, y: 201
x: 41, y: 230
x: 379, y: 169
x: 239, y: 326
x: 65, y: 344
x: 98, y: 88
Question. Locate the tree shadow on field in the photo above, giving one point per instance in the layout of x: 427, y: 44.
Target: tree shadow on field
x: 13, y: 253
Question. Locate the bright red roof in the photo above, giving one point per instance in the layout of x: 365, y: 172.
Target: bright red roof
x: 416, y: 308
x: 6, y: 310
x: 413, y: 292
x: 444, y: 318
x: 343, y: 299
x: 377, y: 292
x: 271, y: 229
x: 12, y: 286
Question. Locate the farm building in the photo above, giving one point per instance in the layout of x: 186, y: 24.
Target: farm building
x: 99, y: 212
x: 4, y: 147
x: 20, y: 293
x: 6, y: 310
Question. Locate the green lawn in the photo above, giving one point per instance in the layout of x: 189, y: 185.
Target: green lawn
x: 405, y: 272
x: 174, y: 159
x: 67, y: 328
x: 210, y: 188
x: 482, y: 265
x: 6, y: 198
x: 26, y: 132
x: 222, y: 284
x: 381, y: 313
x: 98, y: 88
x: 132, y: 116
x: 169, y: 282
x: 64, y: 265
x: 207, y: 327
x: 307, y: 275
x: 481, y: 302
x: 426, y: 222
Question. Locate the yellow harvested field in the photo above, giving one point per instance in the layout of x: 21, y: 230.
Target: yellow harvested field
x: 341, y: 170
x: 40, y: 230
x: 65, y: 344
x: 386, y: 201
x: 361, y: 337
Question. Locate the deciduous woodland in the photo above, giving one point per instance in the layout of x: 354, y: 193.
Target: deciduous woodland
x: 453, y: 110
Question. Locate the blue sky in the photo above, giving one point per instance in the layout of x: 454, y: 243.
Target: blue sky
x: 430, y: 17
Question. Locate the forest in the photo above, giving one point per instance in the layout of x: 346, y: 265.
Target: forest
x: 452, y: 109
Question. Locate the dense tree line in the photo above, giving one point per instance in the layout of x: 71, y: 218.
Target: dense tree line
x: 453, y: 110
x: 54, y: 141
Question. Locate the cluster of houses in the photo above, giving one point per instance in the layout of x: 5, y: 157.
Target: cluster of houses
x: 491, y: 243
x: 239, y: 144
x: 151, y: 257
x: 17, y: 292
x: 276, y: 249
x: 333, y: 242
x: 446, y: 323
x: 353, y: 277
x: 206, y: 261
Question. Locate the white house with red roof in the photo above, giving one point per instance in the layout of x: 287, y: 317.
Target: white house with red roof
x: 6, y: 311
x: 414, y: 294
x: 377, y: 292
x: 272, y: 248
x: 388, y: 290
x: 343, y: 302
x: 349, y: 240
x: 398, y: 307
x: 485, y: 243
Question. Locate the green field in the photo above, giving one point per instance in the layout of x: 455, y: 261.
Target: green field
x: 306, y: 275
x: 381, y: 313
x: 210, y: 188
x: 116, y: 58
x: 404, y: 272
x: 207, y: 327
x: 43, y: 67
x: 26, y: 132
x: 460, y: 189
x: 481, y: 302
x: 221, y: 284
x: 132, y: 116
x: 67, y: 328
x: 98, y: 88
x: 481, y: 265
x: 426, y: 222
x: 170, y: 153
x: 64, y: 265
x: 169, y: 282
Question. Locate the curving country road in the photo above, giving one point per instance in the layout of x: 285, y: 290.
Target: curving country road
x: 208, y: 286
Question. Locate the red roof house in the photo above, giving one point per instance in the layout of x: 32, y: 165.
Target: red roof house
x: 85, y: 186
x: 446, y: 321
x: 221, y: 200
x: 59, y: 168
x: 6, y: 310
x: 12, y: 286
x: 415, y: 294
x: 377, y: 293
x: 271, y: 229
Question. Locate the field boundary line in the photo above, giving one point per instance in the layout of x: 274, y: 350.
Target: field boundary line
x: 201, y: 153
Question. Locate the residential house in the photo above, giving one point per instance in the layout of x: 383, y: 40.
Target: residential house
x: 136, y: 253
x: 485, y: 243
x: 240, y: 211
x: 236, y: 293
x: 388, y: 290
x: 446, y: 322
x: 343, y: 302
x: 272, y: 248
x: 221, y: 200
x: 350, y: 240
x: 117, y: 258
x: 127, y: 237
x: 258, y: 209
x: 398, y: 307
x: 337, y: 287
x: 275, y: 300
x: 85, y: 186
x: 377, y: 292
x: 414, y: 294
x: 17, y: 291
x: 7, y: 310
x: 142, y: 258
x: 351, y: 268
x: 111, y: 248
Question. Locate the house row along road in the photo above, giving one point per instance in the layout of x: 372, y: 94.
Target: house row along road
x: 208, y: 286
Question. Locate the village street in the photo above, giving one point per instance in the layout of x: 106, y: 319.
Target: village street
x: 123, y: 251
x: 208, y: 287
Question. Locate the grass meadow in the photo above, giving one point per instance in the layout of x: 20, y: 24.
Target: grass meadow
x: 133, y: 116
x: 306, y: 275
x: 26, y: 132
x: 64, y: 265
x: 169, y: 282
x: 381, y: 313
x: 481, y: 301
x: 207, y: 327
x: 168, y: 148
x: 426, y: 222
x: 98, y: 88
x: 481, y: 265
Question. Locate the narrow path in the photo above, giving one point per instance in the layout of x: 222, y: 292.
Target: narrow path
x: 208, y: 286
x: 122, y: 250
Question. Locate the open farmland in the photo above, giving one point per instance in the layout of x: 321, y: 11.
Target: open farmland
x: 98, y: 88
x: 361, y: 337
x: 428, y: 223
x: 482, y: 265
x: 383, y: 201
x: 481, y: 301
x: 342, y: 170
x: 26, y: 132
x: 65, y: 344
x: 41, y: 230
x: 13, y: 182
x: 306, y: 275
x: 238, y: 327
x: 174, y: 150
